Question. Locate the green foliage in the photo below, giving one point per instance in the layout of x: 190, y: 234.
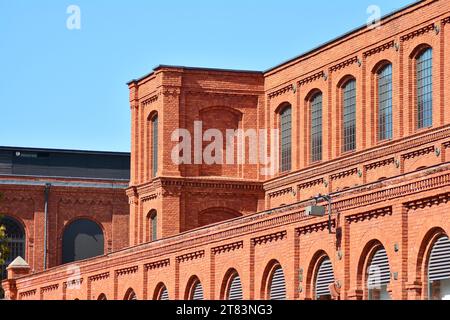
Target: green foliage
x: 4, y: 249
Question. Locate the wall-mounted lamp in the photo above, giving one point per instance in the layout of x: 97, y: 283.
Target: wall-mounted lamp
x: 320, y: 211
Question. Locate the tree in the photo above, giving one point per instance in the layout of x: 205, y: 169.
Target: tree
x: 4, y: 250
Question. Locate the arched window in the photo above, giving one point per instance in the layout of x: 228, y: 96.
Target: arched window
x: 378, y: 276
x: 82, y: 239
x: 424, y: 67
x: 153, y: 225
x: 286, y: 138
x: 439, y: 270
x: 195, y: 290
x: 384, y: 78
x: 325, y: 277
x: 102, y: 297
x: 154, y: 121
x: 277, y: 284
x: 130, y: 295
x: 162, y: 293
x: 15, y: 238
x: 234, y: 287
x: 316, y: 128
x: 349, y: 116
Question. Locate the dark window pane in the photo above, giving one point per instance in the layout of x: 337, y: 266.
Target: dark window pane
x: 316, y: 128
x: 154, y: 146
x: 285, y: 117
x: 154, y: 225
x: 15, y: 239
x: 385, y: 103
x: 349, y: 116
x: 425, y: 89
x: 82, y: 239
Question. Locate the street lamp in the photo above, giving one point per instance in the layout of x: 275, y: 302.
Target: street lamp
x: 319, y: 211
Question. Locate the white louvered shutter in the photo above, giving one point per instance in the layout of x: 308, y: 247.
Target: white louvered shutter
x: 198, y: 292
x: 278, y: 285
x: 325, y: 277
x: 439, y: 265
x: 379, y: 271
x: 164, y: 294
x: 235, y: 289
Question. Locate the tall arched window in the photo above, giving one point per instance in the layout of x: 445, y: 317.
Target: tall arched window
x: 349, y: 116
x: 15, y: 237
x: 439, y: 270
x: 153, y: 225
x: 82, y: 239
x: 154, y: 146
x: 195, y: 290
x: 316, y: 128
x: 234, y: 287
x: 161, y: 292
x: 384, y: 77
x: 325, y: 277
x: 424, y: 67
x: 277, y: 284
x: 286, y: 138
x: 130, y: 295
x: 379, y: 276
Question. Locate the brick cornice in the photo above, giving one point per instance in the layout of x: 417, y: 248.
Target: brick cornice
x: 228, y: 247
x: 379, y: 164
x: 428, y: 202
x: 315, y: 227
x: 49, y: 288
x: 310, y: 184
x: 191, y: 256
x: 383, y: 47
x: 344, y: 64
x: 368, y: 215
x: 28, y: 293
x: 311, y: 78
x: 417, y: 32
x: 417, y: 153
x: 446, y: 20
x: 269, y: 238
x: 157, y: 264
x: 152, y: 99
x: 344, y: 174
x: 281, y: 192
x: 281, y: 91
x: 127, y: 271
x: 98, y: 277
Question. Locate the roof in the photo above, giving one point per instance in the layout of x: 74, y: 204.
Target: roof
x: 61, y: 163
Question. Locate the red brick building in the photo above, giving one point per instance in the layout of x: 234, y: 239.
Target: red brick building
x: 363, y: 119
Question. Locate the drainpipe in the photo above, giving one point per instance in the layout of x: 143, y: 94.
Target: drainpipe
x: 46, y: 194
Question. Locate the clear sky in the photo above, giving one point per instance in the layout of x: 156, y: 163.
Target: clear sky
x: 62, y: 88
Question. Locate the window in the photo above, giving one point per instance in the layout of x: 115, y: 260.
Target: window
x: 154, y: 146
x: 385, y: 103
x: 153, y: 217
x: 379, y: 276
x: 349, y: 116
x: 277, y: 288
x: 195, y: 290
x: 285, y: 127
x: 316, y: 128
x: 162, y: 293
x: 15, y: 239
x: 439, y: 270
x: 130, y: 295
x: 424, y: 63
x: 325, y: 277
x: 235, y: 288
x: 82, y: 239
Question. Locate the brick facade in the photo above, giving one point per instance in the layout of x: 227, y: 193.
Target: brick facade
x: 392, y: 194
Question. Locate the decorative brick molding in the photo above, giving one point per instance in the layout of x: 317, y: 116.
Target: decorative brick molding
x: 127, y: 271
x: 228, y: 247
x: 269, y: 238
x: 282, y: 192
x: 191, y: 256
x: 311, y: 184
x: 157, y: 264
x: 344, y: 174
x: 311, y: 78
x: 281, y: 91
x: 445, y: 21
x: 428, y: 202
x: 369, y: 215
x: 73, y: 283
x: 98, y: 277
x: 344, y: 64
x: 379, y: 49
x: 315, y: 227
x: 379, y: 164
x: 50, y: 288
x: 27, y: 294
x: 150, y: 100
x: 417, y: 32
x: 418, y: 153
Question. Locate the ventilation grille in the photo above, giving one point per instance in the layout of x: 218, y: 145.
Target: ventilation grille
x: 278, y: 285
x: 236, y: 289
x: 439, y: 266
x: 379, y: 271
x: 325, y: 277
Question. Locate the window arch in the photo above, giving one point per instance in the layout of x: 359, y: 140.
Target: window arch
x: 424, y: 88
x: 82, y: 239
x: 153, y: 225
x: 194, y: 289
x: 349, y: 115
x: 102, y: 297
x: 15, y: 239
x: 130, y: 295
x: 285, y: 115
x: 275, y: 283
x: 438, y: 270
x: 324, y: 278
x: 232, y: 286
x: 316, y: 126
x: 161, y: 292
x: 384, y: 102
x: 378, y: 274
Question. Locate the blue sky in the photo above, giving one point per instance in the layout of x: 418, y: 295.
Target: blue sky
x: 63, y: 88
